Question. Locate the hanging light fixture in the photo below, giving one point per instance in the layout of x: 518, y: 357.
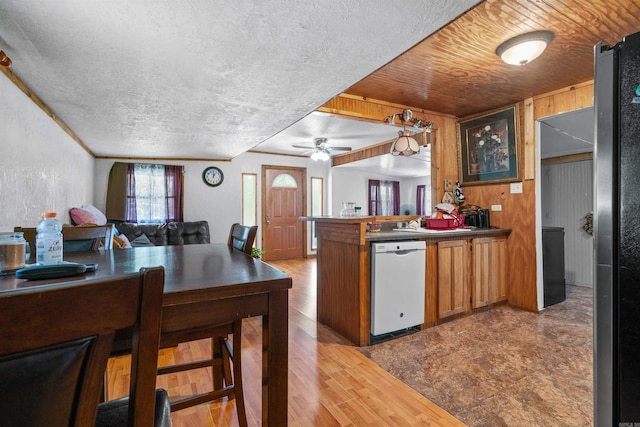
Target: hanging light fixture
x: 406, y: 145
x: 524, y: 48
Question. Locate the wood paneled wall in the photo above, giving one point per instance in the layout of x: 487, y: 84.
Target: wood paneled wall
x: 518, y: 214
x: 571, y: 98
x: 518, y: 210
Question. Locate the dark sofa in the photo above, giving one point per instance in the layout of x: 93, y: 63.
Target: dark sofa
x: 172, y: 233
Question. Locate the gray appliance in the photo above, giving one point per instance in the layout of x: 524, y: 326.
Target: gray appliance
x: 617, y: 233
x: 553, y: 265
x: 397, y: 285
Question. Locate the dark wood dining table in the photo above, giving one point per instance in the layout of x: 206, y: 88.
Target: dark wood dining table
x: 207, y: 285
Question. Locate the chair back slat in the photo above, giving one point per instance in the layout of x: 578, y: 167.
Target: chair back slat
x: 241, y: 237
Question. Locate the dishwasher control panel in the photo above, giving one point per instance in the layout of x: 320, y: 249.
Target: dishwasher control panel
x: 405, y: 245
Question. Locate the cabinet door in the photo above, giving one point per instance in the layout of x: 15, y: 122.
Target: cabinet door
x: 452, y: 277
x: 481, y: 275
x: 489, y: 271
x: 498, y: 288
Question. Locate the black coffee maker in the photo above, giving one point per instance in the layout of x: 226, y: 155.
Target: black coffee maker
x: 483, y: 218
x: 475, y: 216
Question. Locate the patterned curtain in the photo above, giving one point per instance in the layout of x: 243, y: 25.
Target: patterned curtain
x: 395, y: 197
x: 154, y: 193
x: 420, y: 193
x: 375, y: 207
x: 145, y: 193
x: 173, y: 193
x: 384, y: 197
x: 130, y: 206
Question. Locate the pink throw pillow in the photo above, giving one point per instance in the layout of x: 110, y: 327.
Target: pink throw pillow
x: 87, y: 214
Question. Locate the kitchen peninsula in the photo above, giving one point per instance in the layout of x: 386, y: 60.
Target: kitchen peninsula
x: 465, y: 271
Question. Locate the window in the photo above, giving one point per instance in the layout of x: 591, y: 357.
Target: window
x: 317, y: 206
x: 384, y: 197
x: 154, y: 193
x: 249, y: 199
x: 284, y: 180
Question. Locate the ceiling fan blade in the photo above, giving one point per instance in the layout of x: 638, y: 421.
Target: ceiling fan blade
x: 303, y: 146
x: 339, y: 148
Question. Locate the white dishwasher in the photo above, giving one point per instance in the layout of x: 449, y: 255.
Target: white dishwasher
x: 397, y: 285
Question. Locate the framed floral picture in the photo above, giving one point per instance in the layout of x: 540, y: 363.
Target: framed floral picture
x: 488, y: 148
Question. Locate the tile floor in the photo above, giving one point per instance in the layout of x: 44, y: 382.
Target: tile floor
x: 503, y: 367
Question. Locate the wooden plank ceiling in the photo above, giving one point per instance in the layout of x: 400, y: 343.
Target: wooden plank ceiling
x: 456, y: 70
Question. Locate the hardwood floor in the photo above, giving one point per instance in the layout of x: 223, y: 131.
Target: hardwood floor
x: 330, y: 382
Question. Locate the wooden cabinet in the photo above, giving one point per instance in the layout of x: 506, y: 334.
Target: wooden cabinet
x: 499, y: 289
x: 470, y: 274
x: 452, y: 278
x: 344, y: 272
x: 489, y: 271
x: 480, y: 277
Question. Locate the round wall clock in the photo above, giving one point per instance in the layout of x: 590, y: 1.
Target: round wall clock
x: 212, y: 176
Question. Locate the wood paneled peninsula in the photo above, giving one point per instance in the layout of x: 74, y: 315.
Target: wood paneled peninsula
x: 466, y: 271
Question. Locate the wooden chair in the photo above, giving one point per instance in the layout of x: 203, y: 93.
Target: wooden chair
x: 55, y: 343
x: 75, y: 239
x: 241, y: 237
x: 222, y: 353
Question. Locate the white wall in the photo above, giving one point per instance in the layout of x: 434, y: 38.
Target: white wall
x: 41, y: 167
x: 567, y: 195
x: 409, y: 189
x: 221, y: 206
x: 352, y: 186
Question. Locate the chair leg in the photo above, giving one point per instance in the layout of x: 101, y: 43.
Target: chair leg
x: 217, y: 364
x: 237, y: 372
x: 227, y: 356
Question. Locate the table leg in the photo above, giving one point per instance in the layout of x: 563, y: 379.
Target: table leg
x: 275, y: 362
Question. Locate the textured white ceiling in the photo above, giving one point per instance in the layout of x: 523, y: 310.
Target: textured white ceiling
x: 344, y: 132
x: 201, y: 78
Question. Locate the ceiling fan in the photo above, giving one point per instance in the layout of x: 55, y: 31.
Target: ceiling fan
x: 321, y: 149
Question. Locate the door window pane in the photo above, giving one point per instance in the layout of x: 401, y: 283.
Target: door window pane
x: 284, y: 180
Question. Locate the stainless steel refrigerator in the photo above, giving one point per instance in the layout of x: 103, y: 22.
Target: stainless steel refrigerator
x: 617, y: 233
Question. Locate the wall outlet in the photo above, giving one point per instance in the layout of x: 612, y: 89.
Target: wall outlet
x: 447, y: 185
x: 516, y: 188
x: 496, y: 208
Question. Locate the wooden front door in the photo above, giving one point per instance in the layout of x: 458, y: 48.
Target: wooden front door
x: 283, y: 201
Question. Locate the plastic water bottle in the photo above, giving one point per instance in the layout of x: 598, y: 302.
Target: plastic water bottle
x: 49, y: 240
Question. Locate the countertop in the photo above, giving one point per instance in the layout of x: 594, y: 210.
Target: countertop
x: 358, y: 219
x: 405, y: 234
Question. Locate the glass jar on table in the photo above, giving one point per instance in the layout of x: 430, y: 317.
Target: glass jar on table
x: 12, y: 251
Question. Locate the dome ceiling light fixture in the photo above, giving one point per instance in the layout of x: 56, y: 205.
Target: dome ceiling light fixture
x: 522, y: 49
x: 406, y: 145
